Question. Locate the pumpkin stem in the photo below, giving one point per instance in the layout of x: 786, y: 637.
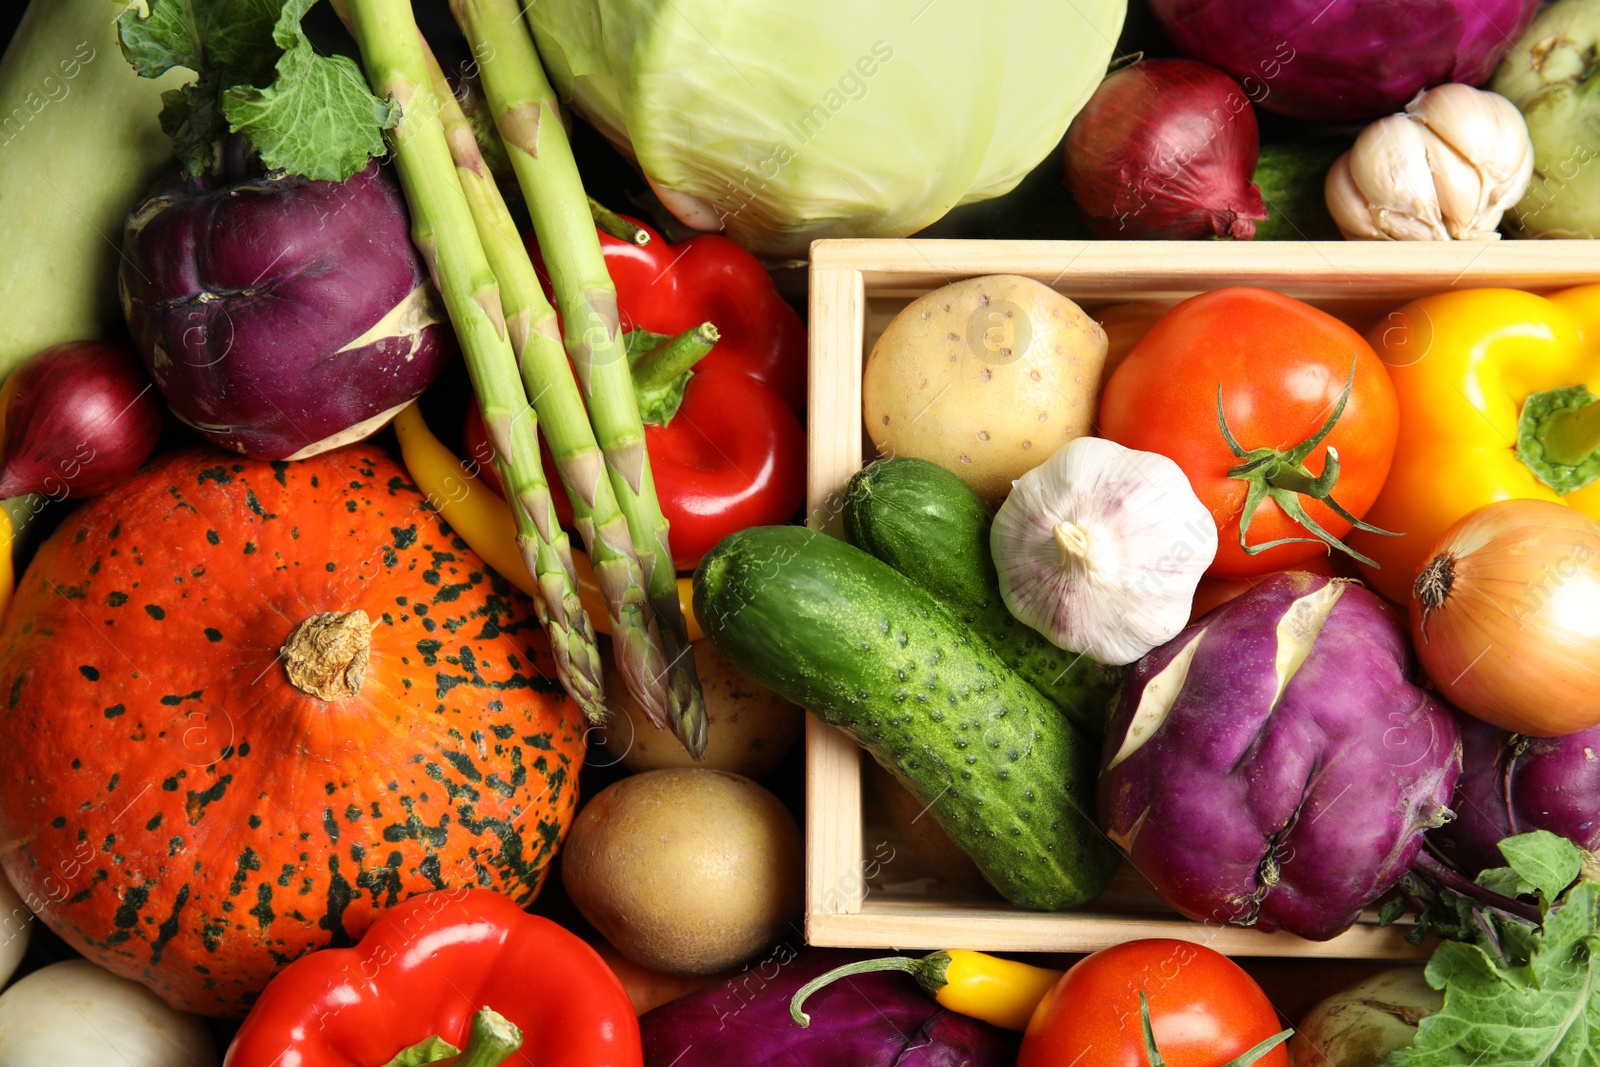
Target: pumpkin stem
x: 326, y: 655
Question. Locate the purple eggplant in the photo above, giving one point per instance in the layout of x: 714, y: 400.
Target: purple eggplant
x: 867, y: 1020
x: 1511, y: 784
x: 1274, y: 765
x: 281, y: 316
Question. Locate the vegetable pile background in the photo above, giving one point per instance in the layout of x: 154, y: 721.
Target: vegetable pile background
x: 410, y: 615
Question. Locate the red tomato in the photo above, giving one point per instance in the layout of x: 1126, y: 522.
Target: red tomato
x: 1204, y: 1010
x: 1281, y: 365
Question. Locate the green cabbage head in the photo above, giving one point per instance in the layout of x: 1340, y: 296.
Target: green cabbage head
x: 1553, y: 76
x: 782, y: 121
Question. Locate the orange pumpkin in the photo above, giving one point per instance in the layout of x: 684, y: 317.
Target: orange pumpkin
x: 247, y: 706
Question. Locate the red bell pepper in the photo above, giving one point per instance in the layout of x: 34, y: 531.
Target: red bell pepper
x: 672, y: 288
x: 418, y: 980
x: 732, y: 454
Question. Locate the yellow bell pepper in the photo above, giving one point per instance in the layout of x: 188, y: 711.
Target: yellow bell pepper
x: 1465, y: 365
x: 485, y: 523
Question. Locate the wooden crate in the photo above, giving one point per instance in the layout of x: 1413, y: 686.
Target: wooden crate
x: 864, y: 887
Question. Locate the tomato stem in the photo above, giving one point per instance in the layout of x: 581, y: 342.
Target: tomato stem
x: 1282, y: 476
x: 1244, y: 1059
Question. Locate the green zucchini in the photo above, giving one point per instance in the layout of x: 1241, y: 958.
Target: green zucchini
x: 929, y: 525
x: 80, y: 142
x: 861, y: 645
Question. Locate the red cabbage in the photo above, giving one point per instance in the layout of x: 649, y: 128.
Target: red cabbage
x: 1345, y: 60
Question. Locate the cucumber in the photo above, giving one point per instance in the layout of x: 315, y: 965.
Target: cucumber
x: 1291, y: 179
x: 929, y: 525
x: 861, y: 645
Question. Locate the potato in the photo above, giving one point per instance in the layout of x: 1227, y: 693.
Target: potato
x: 685, y: 871
x: 752, y: 728
x: 988, y: 377
x: 920, y: 830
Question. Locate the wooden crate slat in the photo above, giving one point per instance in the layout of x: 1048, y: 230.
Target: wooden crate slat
x: 855, y: 288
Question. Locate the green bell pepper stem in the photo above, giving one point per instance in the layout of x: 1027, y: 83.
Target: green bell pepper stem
x: 1572, y: 436
x: 615, y: 225
x: 673, y: 357
x: 490, y: 1042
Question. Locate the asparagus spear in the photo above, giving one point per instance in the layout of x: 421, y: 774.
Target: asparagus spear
x: 546, y: 376
x: 525, y: 111
x: 441, y: 227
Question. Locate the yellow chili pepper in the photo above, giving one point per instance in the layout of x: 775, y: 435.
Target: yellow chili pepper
x: 1496, y: 391
x: 998, y: 991
x: 8, y: 574
x: 484, y: 520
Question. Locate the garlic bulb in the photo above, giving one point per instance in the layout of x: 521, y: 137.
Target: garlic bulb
x: 1100, y: 549
x: 1445, y: 169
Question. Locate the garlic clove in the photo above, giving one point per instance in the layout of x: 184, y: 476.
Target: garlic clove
x: 1459, y: 186
x: 1389, y: 164
x: 1347, y: 205
x: 1100, y: 549
x: 1487, y: 133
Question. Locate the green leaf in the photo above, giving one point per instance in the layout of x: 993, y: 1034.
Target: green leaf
x: 189, y: 116
x: 229, y: 39
x: 1544, y: 1012
x: 317, y: 118
x: 258, y: 76
x: 1505, y: 881
x: 1544, y: 860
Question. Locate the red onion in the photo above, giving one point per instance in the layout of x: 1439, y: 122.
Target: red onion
x: 80, y: 418
x: 1165, y: 149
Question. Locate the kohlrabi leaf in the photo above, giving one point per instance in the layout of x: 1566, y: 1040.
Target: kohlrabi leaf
x: 1505, y: 881
x: 189, y: 116
x: 317, y: 118
x: 257, y: 75
x: 230, y: 38
x: 1543, y: 1012
x: 1544, y: 860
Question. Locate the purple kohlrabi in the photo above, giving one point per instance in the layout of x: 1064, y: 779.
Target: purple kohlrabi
x: 281, y: 316
x: 1511, y: 784
x: 1274, y: 765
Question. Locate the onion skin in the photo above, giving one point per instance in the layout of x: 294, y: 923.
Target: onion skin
x: 245, y: 300
x: 1511, y: 784
x: 1351, y: 61
x: 80, y: 419
x: 1291, y: 811
x: 1165, y: 150
x: 1505, y: 617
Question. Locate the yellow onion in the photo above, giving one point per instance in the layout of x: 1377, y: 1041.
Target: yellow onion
x: 1505, y: 616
